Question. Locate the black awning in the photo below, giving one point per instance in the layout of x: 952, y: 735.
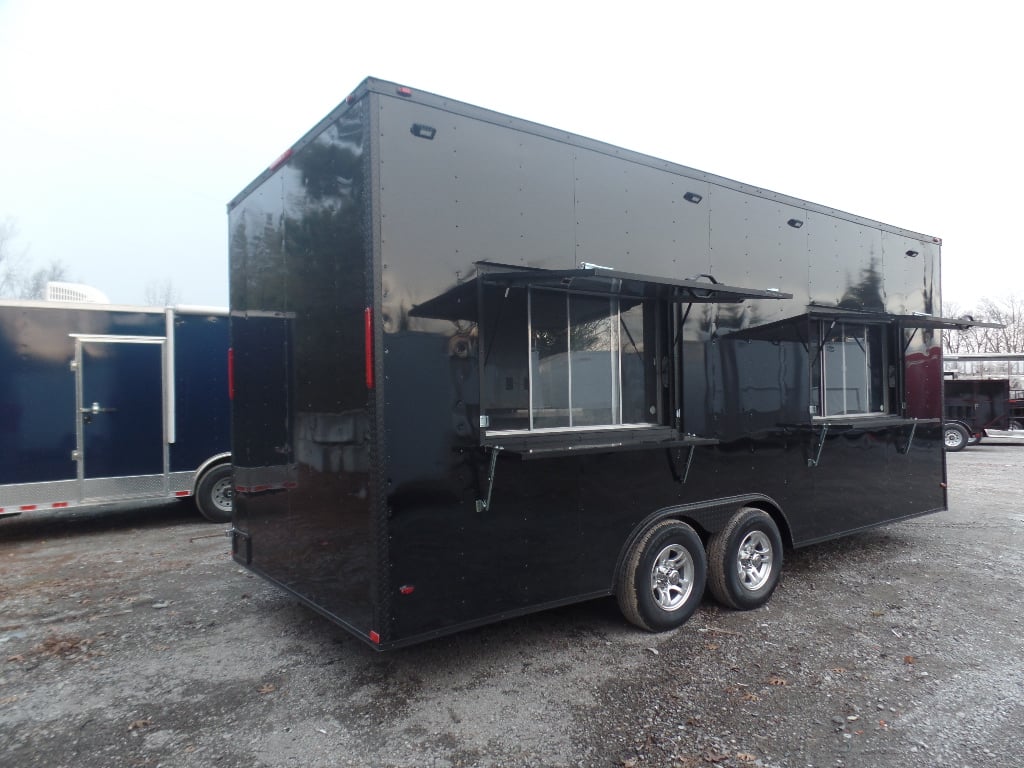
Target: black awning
x: 848, y: 314
x: 945, y: 323
x: 592, y: 279
x: 459, y: 302
x: 915, y: 320
x: 794, y: 328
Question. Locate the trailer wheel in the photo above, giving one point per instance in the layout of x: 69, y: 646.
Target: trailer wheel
x: 955, y: 437
x: 663, y: 576
x: 745, y: 560
x: 215, y: 494
x: 1016, y: 425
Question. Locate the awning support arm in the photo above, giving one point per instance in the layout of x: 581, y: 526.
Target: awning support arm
x: 482, y: 505
x: 910, y: 339
x: 681, y: 479
x: 821, y: 444
x: 910, y: 439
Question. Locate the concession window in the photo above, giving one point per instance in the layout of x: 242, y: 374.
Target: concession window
x: 578, y: 360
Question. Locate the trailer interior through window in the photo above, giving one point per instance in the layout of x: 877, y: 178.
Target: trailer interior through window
x: 583, y: 355
x: 861, y: 365
x: 849, y: 377
x: 562, y: 360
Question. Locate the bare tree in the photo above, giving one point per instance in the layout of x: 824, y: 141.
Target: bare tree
x: 17, y: 278
x: 34, y: 286
x: 161, y: 292
x: 953, y: 342
x: 1008, y: 312
x: 11, y: 261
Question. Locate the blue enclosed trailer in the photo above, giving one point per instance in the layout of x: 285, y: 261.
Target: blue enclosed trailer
x: 102, y: 403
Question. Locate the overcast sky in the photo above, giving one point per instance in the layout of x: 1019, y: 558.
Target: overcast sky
x: 126, y: 126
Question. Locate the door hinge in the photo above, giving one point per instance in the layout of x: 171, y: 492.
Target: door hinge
x: 75, y: 455
x: 241, y: 545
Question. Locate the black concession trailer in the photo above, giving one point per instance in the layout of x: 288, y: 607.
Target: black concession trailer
x: 484, y: 367
x: 103, y: 403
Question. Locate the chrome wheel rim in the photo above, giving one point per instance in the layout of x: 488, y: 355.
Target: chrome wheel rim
x: 672, y: 577
x: 223, y: 494
x: 754, y: 561
x: 953, y: 438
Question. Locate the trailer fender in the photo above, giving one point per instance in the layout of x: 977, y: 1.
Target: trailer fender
x: 220, y: 458
x: 707, y: 518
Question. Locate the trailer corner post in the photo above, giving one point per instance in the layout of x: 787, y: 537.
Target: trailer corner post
x: 170, y: 412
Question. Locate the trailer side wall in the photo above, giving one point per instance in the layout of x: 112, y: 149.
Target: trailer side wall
x: 483, y: 191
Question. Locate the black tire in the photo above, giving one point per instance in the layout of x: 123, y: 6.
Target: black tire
x: 954, y: 437
x: 215, y: 494
x: 663, y: 576
x: 1016, y: 425
x: 745, y: 560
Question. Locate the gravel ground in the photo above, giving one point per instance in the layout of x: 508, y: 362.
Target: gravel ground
x: 130, y: 638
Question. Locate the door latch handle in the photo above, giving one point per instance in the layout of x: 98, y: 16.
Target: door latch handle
x: 95, y: 409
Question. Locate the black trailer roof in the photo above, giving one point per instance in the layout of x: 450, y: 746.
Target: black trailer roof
x: 395, y: 90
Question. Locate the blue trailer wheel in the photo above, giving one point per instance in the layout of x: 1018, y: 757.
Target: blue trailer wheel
x: 215, y: 494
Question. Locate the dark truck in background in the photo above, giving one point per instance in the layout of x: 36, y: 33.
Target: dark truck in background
x: 973, y: 406
x: 484, y: 367
x: 984, y: 397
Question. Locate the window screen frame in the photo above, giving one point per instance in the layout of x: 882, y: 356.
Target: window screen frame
x: 619, y: 337
x: 824, y: 331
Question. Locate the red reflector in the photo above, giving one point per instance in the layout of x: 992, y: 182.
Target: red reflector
x: 281, y: 160
x: 403, y: 91
x: 374, y: 637
x: 368, y: 339
x: 59, y: 504
x: 182, y: 493
x: 231, y: 373
x: 27, y: 507
x: 408, y: 589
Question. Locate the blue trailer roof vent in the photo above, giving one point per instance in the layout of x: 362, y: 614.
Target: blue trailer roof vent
x: 56, y: 291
